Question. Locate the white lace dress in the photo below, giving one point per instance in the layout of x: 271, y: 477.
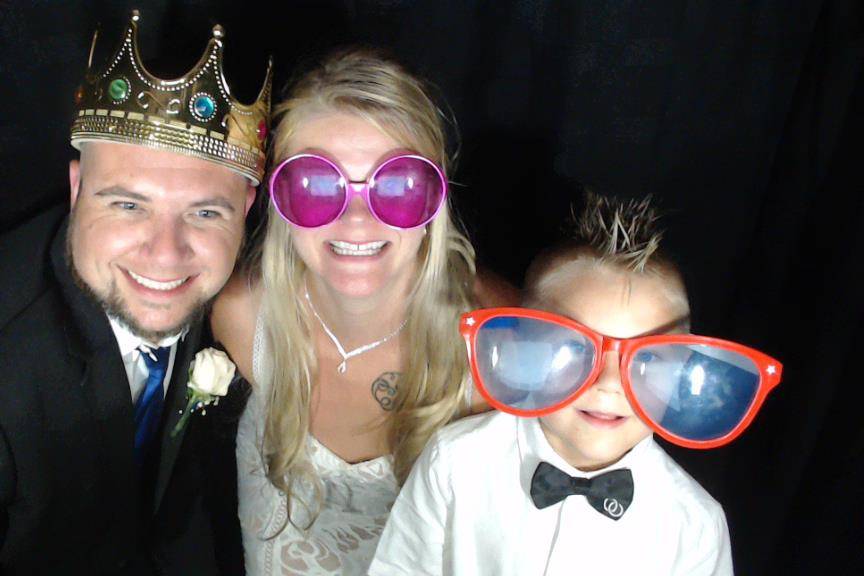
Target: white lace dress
x: 356, y: 502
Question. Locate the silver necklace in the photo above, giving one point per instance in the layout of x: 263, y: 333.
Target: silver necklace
x: 343, y: 366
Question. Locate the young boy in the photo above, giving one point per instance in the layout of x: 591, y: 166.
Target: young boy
x: 577, y: 484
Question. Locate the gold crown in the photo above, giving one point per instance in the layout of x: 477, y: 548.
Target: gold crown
x: 194, y: 114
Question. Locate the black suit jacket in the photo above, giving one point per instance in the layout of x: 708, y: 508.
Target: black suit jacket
x: 71, y: 498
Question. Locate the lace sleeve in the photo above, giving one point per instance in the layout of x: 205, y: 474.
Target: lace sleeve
x: 252, y: 484
x: 258, y: 350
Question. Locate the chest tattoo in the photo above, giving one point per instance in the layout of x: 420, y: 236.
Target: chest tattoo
x: 384, y: 390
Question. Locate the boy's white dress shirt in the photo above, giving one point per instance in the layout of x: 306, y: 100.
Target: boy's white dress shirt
x: 466, y: 509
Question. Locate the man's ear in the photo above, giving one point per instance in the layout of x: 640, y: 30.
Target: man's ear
x: 250, y: 198
x: 74, y: 181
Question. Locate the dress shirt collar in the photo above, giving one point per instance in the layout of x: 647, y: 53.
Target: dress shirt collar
x: 128, y: 342
x: 534, y: 447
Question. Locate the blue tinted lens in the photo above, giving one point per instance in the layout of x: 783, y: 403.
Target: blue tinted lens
x: 531, y: 364
x: 694, y: 391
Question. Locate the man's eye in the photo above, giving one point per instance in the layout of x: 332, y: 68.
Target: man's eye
x: 129, y: 206
x: 208, y: 214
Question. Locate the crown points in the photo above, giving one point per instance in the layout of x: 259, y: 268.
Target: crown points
x: 193, y: 114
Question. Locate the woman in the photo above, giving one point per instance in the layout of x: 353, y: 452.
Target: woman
x: 355, y: 357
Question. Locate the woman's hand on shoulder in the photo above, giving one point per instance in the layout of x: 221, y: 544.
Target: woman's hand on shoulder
x: 492, y: 290
x: 234, y: 317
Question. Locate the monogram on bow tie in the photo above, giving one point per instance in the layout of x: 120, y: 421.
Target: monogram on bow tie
x: 609, y: 493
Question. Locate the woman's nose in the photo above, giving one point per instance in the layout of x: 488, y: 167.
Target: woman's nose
x: 357, y: 211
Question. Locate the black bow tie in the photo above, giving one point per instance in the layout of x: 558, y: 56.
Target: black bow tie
x: 609, y: 493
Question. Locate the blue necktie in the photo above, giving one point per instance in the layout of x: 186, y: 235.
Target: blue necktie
x: 148, y: 408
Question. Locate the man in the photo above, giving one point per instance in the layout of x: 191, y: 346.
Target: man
x: 100, y: 319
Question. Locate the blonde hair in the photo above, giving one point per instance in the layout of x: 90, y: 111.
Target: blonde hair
x: 611, y: 232
x: 434, y: 376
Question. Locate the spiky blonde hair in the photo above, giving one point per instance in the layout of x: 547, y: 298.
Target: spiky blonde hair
x: 623, y: 232
x: 608, y: 231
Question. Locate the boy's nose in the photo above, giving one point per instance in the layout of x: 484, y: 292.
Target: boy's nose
x: 609, y: 379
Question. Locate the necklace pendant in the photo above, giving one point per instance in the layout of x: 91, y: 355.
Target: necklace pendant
x: 343, y: 367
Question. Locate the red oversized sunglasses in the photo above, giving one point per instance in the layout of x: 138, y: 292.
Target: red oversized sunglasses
x: 694, y: 391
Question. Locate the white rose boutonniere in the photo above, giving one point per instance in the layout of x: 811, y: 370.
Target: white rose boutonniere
x: 210, y: 374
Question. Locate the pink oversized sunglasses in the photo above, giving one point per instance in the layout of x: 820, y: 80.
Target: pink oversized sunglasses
x: 405, y: 191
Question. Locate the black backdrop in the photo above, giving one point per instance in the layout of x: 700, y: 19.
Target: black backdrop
x: 745, y: 119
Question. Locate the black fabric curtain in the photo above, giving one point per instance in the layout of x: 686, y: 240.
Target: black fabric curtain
x: 744, y: 119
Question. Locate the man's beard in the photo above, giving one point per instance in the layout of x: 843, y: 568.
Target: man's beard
x: 116, y: 308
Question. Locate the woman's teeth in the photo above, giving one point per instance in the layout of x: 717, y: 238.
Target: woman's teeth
x: 350, y: 249
x: 155, y: 284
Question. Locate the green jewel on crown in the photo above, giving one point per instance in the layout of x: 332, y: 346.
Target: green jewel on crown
x: 118, y: 90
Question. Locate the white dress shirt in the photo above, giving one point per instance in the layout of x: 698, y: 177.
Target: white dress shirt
x: 136, y: 368
x: 466, y: 509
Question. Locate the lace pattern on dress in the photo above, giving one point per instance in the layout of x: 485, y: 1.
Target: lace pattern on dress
x: 356, y: 500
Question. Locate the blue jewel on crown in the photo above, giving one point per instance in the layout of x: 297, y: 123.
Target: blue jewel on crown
x: 202, y: 106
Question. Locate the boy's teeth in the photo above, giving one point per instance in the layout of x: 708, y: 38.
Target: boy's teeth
x: 350, y: 249
x: 155, y: 284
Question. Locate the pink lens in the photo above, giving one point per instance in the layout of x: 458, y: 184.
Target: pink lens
x: 308, y: 191
x: 406, y: 192
x: 403, y: 192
